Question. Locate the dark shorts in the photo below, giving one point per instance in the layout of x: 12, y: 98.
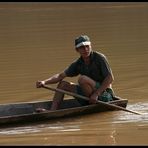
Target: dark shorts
x: 80, y: 92
x: 106, y: 96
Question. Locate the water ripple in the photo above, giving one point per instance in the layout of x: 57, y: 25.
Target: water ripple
x: 130, y: 117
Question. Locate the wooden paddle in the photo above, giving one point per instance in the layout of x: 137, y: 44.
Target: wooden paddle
x: 86, y: 98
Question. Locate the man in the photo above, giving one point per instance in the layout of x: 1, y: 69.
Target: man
x: 95, y: 77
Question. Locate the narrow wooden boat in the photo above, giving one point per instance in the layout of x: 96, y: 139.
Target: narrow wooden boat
x: 26, y: 112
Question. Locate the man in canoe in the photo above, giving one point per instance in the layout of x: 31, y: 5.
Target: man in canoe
x: 95, y: 77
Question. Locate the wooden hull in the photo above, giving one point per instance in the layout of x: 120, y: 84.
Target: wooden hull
x: 26, y: 112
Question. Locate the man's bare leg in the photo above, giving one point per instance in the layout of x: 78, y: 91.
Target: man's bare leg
x: 58, y: 97
x: 87, y: 84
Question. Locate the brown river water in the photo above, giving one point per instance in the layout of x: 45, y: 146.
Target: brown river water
x: 37, y: 41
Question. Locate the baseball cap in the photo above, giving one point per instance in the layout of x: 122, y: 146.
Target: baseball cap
x: 82, y: 41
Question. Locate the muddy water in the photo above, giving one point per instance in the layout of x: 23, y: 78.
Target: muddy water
x: 37, y: 41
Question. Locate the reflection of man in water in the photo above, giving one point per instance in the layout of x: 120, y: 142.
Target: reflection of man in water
x: 95, y: 76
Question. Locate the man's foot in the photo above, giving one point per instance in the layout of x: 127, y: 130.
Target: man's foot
x: 39, y: 110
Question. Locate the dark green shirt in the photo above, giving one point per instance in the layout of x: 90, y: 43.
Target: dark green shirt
x: 98, y: 68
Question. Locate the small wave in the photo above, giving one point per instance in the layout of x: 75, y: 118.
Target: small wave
x: 19, y: 130
x: 38, y: 128
x: 141, y: 108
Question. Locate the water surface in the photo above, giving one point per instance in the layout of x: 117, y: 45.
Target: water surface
x: 37, y: 41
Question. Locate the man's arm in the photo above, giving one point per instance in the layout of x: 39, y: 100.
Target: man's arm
x: 107, y: 75
x: 105, y: 84
x: 54, y: 79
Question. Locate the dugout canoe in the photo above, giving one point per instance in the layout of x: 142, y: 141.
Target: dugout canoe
x: 24, y: 112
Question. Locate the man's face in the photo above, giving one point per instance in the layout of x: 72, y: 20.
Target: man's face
x: 84, y: 50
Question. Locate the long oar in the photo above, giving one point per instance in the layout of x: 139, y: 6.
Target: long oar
x: 86, y: 98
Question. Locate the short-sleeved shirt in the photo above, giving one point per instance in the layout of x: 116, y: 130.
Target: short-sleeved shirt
x: 97, y: 70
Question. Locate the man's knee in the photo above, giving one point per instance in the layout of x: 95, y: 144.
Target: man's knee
x: 82, y: 79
